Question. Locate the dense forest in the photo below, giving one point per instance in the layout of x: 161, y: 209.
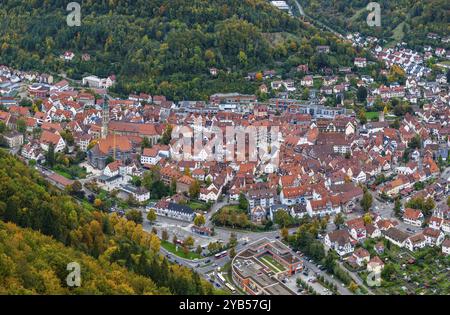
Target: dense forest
x: 407, y: 20
x: 31, y: 263
x: 27, y: 200
x: 158, y: 46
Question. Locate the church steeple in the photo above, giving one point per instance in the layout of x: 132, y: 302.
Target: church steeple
x: 105, y: 118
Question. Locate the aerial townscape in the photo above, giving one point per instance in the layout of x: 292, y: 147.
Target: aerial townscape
x: 225, y: 147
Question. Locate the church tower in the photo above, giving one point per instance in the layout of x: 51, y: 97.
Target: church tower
x: 105, y: 118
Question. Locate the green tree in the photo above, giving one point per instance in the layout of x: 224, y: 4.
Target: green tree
x: 283, y: 219
x: 397, y: 207
x: 145, y: 143
x: 50, y: 156
x: 415, y: 143
x: 21, y: 125
x: 305, y: 94
x: 361, y: 94
x: 233, y: 240
x: 243, y: 202
x: 366, y: 201
x: 167, y: 135
x: 232, y: 252
x: 339, y: 220
x: 135, y: 216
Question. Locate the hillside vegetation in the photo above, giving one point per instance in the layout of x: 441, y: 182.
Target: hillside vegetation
x: 31, y: 263
x: 27, y: 200
x: 155, y: 46
x: 408, y: 20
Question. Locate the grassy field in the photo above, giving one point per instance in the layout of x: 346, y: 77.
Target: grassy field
x: 64, y: 174
x: 272, y: 263
x: 173, y: 249
x: 372, y: 115
x: 397, y: 34
x: 198, y: 205
x: 231, y: 207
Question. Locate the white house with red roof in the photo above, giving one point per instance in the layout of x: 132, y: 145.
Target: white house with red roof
x: 150, y: 156
x: 48, y: 138
x: 413, y: 217
x: 446, y: 247
x: 340, y: 241
x: 435, y: 223
x: 375, y: 265
x: 210, y: 194
x: 433, y: 237
x: 112, y: 169
x: 415, y: 242
x: 360, y: 62
x: 361, y: 256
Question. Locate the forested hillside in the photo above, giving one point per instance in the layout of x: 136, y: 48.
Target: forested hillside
x: 31, y: 263
x: 30, y: 202
x: 409, y: 20
x: 156, y: 46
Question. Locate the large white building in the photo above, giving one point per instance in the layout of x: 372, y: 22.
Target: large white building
x: 174, y: 211
x: 96, y: 82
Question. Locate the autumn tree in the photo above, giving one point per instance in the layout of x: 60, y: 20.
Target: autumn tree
x: 367, y: 218
x: 151, y: 216
x: 135, y: 216
x: 284, y: 233
x: 194, y: 190
x: 233, y: 240
x: 199, y: 220
x: 189, y: 241
x: 164, y: 235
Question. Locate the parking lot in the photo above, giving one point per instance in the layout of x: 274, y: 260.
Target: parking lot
x: 309, y: 277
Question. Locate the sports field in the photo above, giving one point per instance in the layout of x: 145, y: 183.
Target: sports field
x: 274, y: 265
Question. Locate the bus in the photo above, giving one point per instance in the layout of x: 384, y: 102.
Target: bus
x: 220, y: 255
x: 221, y: 277
x: 230, y: 287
